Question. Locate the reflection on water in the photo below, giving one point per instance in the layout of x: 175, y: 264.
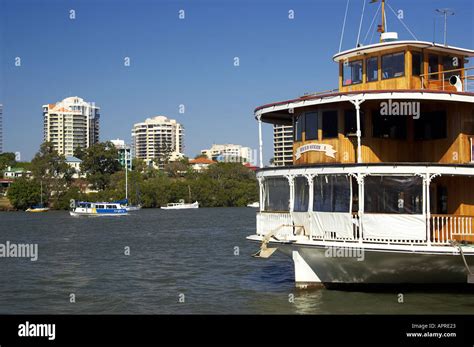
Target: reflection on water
x: 174, y: 254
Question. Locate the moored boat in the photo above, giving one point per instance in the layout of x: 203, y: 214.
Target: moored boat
x: 97, y: 209
x: 254, y: 204
x: 381, y: 190
x: 38, y: 208
x: 180, y: 206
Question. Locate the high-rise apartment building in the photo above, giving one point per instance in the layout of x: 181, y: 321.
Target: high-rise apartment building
x: 71, y: 123
x: 157, y: 138
x: 282, y: 145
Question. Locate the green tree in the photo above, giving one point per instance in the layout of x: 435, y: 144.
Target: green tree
x: 50, y: 167
x: 24, y: 193
x: 99, y: 162
x: 7, y: 159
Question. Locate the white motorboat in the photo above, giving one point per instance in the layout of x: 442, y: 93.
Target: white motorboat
x: 180, y: 206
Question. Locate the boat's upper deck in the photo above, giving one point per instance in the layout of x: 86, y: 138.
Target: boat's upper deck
x: 397, y: 101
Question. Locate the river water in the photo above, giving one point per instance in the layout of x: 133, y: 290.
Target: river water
x: 189, y: 261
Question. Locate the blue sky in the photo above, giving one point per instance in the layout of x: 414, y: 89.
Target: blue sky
x: 188, y: 61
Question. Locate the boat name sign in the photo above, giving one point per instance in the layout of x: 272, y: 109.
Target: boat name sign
x: 316, y: 147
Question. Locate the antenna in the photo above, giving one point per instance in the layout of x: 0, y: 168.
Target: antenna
x: 445, y: 12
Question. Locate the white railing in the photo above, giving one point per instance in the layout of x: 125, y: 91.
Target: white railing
x: 445, y: 228
x: 279, y: 223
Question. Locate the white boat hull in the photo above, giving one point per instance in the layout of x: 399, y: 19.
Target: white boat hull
x: 181, y: 206
x: 381, y: 266
x: 87, y: 214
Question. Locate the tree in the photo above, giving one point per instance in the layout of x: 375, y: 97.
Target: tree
x: 24, y: 193
x: 50, y: 167
x: 99, y: 162
x: 6, y: 160
x: 79, y: 152
x: 164, y: 151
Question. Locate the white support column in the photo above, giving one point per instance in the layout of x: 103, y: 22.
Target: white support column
x: 427, y: 182
x: 304, y: 276
x: 360, y: 183
x: 427, y: 207
x: 310, y: 178
x: 261, y: 199
x: 260, y: 139
x: 357, y: 103
x: 291, y: 182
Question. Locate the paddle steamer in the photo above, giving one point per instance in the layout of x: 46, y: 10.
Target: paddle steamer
x: 381, y: 189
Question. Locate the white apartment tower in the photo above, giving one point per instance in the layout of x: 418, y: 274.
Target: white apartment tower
x: 282, y: 145
x: 155, y: 136
x: 71, y: 123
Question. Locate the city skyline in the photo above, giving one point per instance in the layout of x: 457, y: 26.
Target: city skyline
x: 208, y: 70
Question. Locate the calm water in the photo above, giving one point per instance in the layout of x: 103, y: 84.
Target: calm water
x: 188, y: 252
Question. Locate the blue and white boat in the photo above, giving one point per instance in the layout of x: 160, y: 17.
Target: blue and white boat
x: 96, y: 209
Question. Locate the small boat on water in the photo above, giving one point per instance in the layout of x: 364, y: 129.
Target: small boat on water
x: 254, y: 204
x: 180, y: 205
x: 96, y: 209
x: 38, y: 208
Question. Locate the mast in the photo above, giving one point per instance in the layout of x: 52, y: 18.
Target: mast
x: 41, y: 195
x: 382, y: 29
x: 126, y: 175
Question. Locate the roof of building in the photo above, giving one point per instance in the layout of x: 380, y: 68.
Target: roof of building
x: 251, y: 167
x: 71, y: 159
x: 15, y: 169
x: 201, y: 160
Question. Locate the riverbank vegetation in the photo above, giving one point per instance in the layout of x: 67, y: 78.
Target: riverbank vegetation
x: 103, y: 179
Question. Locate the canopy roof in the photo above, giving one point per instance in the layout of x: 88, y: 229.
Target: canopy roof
x: 354, y: 52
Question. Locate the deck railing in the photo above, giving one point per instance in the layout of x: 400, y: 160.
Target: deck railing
x: 441, y: 81
x: 445, y: 228
x: 278, y: 223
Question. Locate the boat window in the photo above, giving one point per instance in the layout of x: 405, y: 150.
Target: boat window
x: 301, y: 194
x: 332, y: 193
x: 393, y: 65
x: 433, y: 66
x: 110, y: 206
x: 311, y: 125
x: 393, y: 194
x: 372, y: 69
x: 389, y: 127
x: 450, y: 63
x: 350, y: 123
x: 299, y: 126
x: 352, y: 72
x: 99, y: 206
x: 88, y: 205
x: 416, y: 64
x: 277, y: 194
x: 431, y: 126
x: 330, y: 124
